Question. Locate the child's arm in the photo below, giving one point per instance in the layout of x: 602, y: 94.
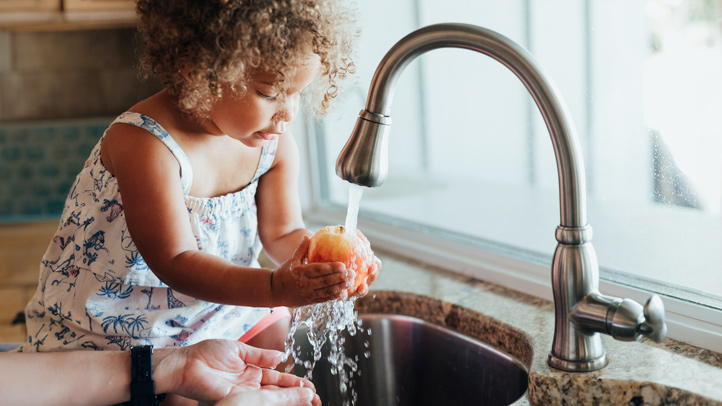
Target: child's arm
x: 154, y: 208
x: 280, y: 222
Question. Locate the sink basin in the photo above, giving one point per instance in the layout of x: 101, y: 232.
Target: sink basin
x: 413, y: 362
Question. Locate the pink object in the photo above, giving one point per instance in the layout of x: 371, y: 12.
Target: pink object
x: 276, y: 314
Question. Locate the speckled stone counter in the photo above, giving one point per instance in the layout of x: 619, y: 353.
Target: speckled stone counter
x: 639, y: 373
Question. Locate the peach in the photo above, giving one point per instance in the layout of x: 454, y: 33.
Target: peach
x: 333, y: 244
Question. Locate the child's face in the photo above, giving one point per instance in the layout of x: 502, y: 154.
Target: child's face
x: 258, y: 115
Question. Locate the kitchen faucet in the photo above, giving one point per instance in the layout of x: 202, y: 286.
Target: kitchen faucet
x: 581, y: 311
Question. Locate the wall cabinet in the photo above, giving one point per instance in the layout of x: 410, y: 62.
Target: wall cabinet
x: 65, y: 15
x: 29, y: 5
x: 73, y: 5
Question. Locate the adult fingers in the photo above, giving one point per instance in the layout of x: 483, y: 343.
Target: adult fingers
x: 281, y: 397
x: 258, y: 356
x: 272, y: 377
x: 293, y: 397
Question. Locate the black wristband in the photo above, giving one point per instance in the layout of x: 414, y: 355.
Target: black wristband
x: 142, y: 387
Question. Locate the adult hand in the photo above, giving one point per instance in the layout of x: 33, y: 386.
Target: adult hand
x: 270, y: 397
x: 214, y: 369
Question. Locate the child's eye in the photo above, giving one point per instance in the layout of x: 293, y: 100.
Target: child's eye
x: 267, y: 97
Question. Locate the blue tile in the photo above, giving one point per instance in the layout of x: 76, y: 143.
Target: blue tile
x: 17, y: 190
x: 10, y: 154
x: 69, y: 133
x: 5, y: 172
x: 35, y: 153
x: 84, y: 150
x: 49, y: 170
x: 47, y: 134
x: 55, y: 206
x: 72, y: 167
x: 20, y: 136
x: 39, y: 163
x: 6, y: 208
x: 63, y: 188
x: 59, y: 152
x: 40, y: 190
x: 25, y: 173
x: 30, y: 207
x: 94, y: 132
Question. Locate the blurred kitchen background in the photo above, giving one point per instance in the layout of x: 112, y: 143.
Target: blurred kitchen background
x: 67, y: 68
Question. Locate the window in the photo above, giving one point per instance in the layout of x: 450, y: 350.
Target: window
x: 471, y: 164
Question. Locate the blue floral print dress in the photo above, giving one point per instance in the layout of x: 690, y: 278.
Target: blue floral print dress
x: 96, y: 292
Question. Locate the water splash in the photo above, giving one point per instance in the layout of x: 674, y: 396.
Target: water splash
x: 354, y: 198
x: 326, y: 322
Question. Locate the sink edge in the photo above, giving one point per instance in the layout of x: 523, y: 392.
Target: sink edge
x: 474, y: 324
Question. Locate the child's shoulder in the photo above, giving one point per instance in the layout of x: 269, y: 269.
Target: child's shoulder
x: 138, y: 134
x: 153, y: 118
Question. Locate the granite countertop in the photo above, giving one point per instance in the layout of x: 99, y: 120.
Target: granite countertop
x: 639, y: 373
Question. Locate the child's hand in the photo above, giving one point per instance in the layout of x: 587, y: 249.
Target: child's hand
x: 297, y: 283
x: 363, y: 287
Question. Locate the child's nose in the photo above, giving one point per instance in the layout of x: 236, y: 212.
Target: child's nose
x: 288, y: 109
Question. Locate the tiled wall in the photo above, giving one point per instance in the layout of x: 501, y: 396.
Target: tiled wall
x: 58, y: 92
x: 38, y: 163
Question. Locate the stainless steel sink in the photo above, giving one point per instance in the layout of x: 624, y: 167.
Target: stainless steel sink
x: 413, y: 362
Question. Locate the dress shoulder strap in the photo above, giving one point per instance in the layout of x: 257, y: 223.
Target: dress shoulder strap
x: 152, y: 126
x: 267, y: 155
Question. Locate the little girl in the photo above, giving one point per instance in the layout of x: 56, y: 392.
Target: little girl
x: 161, y: 231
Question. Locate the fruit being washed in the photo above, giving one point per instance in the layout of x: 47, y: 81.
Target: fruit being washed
x: 333, y: 244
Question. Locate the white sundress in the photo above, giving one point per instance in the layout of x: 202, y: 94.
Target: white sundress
x: 96, y: 292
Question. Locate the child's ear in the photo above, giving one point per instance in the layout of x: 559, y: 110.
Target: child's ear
x: 186, y: 72
x: 185, y: 68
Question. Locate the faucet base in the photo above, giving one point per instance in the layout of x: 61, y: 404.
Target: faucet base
x: 579, y: 365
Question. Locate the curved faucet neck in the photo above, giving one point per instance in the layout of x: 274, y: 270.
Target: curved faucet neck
x: 570, y: 166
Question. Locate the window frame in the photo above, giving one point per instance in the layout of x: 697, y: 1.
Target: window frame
x: 687, y: 321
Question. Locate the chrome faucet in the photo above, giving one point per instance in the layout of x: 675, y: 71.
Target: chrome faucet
x: 581, y: 312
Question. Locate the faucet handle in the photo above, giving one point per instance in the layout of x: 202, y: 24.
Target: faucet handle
x: 654, y: 326
x: 628, y: 321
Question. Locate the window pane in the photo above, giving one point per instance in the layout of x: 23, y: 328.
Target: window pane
x: 469, y: 153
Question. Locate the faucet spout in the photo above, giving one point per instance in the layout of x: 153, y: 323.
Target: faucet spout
x: 581, y: 312
x: 362, y: 160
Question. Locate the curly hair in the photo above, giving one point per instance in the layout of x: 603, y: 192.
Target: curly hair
x: 197, y: 46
